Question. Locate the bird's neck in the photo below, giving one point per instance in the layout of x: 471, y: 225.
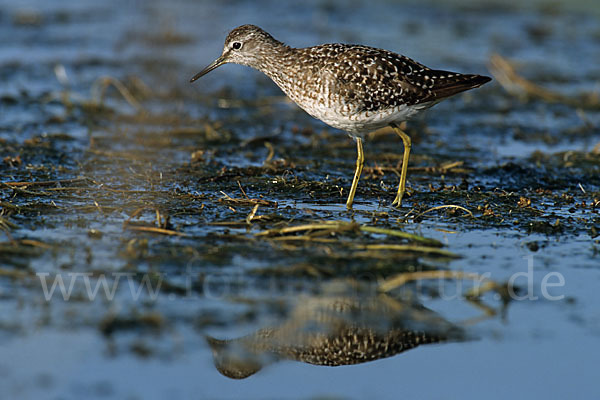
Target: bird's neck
x: 276, y: 64
x: 274, y: 58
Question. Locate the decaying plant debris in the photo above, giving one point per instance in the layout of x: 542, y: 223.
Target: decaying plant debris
x: 244, y: 198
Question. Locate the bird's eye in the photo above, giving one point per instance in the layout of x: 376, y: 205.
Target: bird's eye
x: 236, y: 45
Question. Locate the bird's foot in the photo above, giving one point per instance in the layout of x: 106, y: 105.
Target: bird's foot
x: 397, y: 203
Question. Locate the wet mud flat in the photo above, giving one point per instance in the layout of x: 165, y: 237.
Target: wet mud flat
x: 204, y: 228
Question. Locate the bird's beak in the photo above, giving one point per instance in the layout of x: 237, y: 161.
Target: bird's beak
x: 215, y: 64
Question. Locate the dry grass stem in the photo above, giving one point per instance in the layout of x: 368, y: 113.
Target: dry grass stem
x: 445, y: 206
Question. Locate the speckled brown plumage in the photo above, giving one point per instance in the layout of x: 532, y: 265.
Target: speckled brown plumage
x: 351, y: 87
x: 355, y: 88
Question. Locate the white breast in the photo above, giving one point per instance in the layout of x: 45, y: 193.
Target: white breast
x: 360, y: 124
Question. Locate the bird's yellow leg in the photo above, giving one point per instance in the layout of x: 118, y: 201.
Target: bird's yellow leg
x: 407, y: 144
x: 360, y: 160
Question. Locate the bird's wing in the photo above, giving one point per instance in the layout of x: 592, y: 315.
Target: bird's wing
x: 372, y: 79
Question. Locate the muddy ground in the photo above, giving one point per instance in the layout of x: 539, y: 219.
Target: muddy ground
x: 218, y: 209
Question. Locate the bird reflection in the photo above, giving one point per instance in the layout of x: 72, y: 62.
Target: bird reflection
x: 342, y: 326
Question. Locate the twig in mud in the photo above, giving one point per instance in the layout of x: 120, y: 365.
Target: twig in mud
x: 271, y: 154
x: 158, y: 218
x: 246, y: 202
x: 20, y: 190
x: 6, y: 225
x: 134, y: 214
x: 14, y: 274
x: 250, y: 216
x: 141, y: 86
x: 329, y: 225
x: 9, y: 206
x: 35, y: 243
x: 452, y: 166
x: 473, y: 296
x: 410, y: 249
x: 162, y: 221
x: 445, y: 206
x: 405, y: 235
x: 506, y: 75
x: 101, y: 84
x: 237, y: 223
x: 304, y: 238
x: 242, y: 190
x: 153, y: 229
x: 316, y: 231
x: 44, y: 183
x: 22, y: 186
x: 403, y: 278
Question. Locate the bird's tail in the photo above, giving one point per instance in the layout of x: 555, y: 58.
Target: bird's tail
x: 450, y: 83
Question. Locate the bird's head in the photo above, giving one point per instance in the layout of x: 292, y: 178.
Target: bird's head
x: 245, y: 45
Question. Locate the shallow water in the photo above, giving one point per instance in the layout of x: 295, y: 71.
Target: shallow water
x: 105, y: 171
